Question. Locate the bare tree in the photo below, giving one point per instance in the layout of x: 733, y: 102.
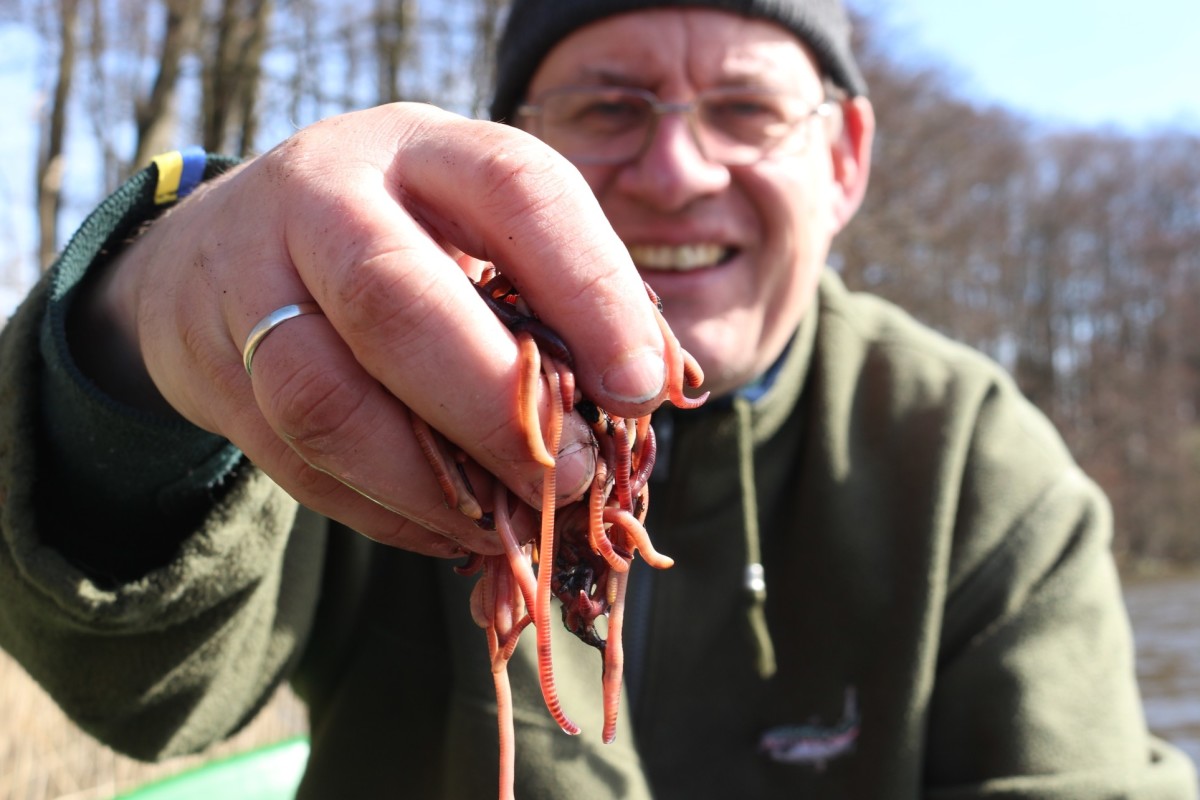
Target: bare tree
x: 156, y: 113
x: 393, y: 42
x: 51, y: 158
x: 487, y: 31
x: 1072, y: 256
x: 232, y: 70
x: 935, y: 231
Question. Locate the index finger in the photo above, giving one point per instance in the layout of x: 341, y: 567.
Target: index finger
x: 530, y: 212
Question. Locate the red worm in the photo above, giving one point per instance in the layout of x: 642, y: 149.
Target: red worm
x: 454, y: 488
x: 614, y: 658
x: 641, y: 539
x: 623, y: 463
x: 644, y: 460
x: 518, y: 557
x: 597, y: 538
x: 508, y: 736
x: 546, y: 549
x: 680, y: 368
x: 531, y: 368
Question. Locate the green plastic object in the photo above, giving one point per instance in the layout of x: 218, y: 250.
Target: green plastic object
x: 267, y: 773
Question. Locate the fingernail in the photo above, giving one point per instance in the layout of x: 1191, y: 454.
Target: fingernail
x: 638, y: 378
x: 575, y: 466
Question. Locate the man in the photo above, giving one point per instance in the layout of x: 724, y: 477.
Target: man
x: 890, y: 579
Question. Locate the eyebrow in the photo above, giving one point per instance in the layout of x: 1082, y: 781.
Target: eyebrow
x: 599, y: 75
x: 609, y: 76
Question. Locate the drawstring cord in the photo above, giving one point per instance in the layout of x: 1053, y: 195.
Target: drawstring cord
x: 755, y: 581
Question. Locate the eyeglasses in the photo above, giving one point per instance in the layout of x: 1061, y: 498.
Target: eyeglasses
x: 614, y: 125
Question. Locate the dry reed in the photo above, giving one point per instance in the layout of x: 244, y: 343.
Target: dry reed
x: 43, y: 756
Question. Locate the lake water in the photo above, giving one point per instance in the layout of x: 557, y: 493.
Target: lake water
x: 1166, y: 624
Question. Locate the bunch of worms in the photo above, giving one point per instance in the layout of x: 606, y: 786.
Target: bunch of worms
x: 584, y: 550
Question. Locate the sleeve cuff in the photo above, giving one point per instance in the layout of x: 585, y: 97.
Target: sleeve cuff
x: 127, y: 470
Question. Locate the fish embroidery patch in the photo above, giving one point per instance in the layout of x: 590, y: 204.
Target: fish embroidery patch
x: 814, y: 744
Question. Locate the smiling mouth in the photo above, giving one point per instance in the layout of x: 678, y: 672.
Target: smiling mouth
x: 679, y: 258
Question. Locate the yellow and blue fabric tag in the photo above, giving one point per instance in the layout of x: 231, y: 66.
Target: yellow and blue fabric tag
x: 179, y: 172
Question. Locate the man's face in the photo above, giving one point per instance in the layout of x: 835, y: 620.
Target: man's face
x: 733, y: 251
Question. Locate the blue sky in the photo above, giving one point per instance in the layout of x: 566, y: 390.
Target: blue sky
x: 1133, y: 65
x: 18, y: 142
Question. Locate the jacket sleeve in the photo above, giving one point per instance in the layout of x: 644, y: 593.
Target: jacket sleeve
x: 143, y: 562
x: 1036, y: 694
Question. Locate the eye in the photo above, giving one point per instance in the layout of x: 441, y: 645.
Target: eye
x: 741, y: 107
x: 608, y: 112
x: 747, y: 117
x: 764, y: 108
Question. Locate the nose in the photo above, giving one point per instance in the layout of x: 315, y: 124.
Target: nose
x: 672, y: 171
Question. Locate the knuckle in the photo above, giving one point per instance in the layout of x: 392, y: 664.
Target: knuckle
x: 312, y: 485
x: 317, y: 412
x: 389, y: 294
x: 526, y: 179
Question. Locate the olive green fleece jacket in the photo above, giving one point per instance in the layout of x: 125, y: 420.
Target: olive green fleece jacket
x: 941, y: 617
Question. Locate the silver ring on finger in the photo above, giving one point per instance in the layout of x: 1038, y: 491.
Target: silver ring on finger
x: 269, y: 323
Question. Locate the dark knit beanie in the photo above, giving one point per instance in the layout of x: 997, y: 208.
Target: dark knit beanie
x: 534, y: 27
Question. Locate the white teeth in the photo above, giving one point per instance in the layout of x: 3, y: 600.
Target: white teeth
x: 679, y: 258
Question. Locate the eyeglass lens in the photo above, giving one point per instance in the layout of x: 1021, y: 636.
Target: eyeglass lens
x: 613, y: 125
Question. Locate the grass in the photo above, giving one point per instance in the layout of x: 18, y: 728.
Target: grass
x: 43, y: 756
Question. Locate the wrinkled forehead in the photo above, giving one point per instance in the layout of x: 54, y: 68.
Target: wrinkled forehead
x: 667, y: 49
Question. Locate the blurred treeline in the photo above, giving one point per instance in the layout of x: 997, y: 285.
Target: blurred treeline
x: 1073, y: 257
